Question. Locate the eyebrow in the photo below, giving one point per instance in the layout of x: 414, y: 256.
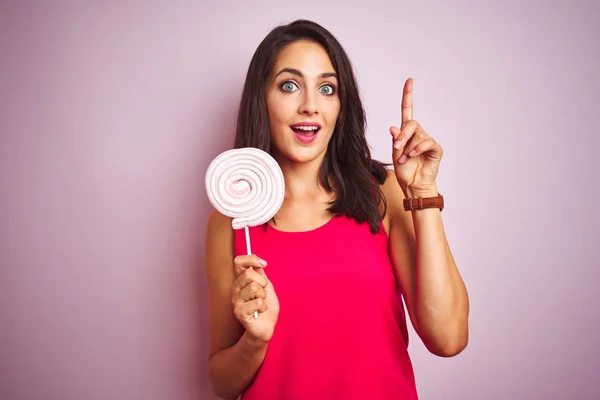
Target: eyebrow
x: 298, y: 73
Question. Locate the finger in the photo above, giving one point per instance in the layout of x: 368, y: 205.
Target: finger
x: 252, y: 291
x: 246, y: 278
x: 417, y: 137
x: 419, y: 148
x: 407, y: 101
x: 428, y: 145
x: 404, y: 137
x: 243, y: 262
x: 246, y: 310
x: 395, y: 131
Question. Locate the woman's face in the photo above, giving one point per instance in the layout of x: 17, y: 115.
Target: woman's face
x: 303, y: 103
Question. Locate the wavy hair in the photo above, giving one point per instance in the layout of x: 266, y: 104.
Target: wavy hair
x: 348, y: 166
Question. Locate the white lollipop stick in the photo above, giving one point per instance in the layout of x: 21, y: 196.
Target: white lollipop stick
x: 247, y: 185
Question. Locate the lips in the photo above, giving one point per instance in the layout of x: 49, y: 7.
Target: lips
x: 306, y: 132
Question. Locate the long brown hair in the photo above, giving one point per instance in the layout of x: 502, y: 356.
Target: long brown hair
x: 347, y: 166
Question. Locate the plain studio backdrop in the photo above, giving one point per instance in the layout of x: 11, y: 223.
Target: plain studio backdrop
x: 110, y: 113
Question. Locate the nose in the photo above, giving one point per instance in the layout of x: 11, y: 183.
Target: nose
x: 309, y: 104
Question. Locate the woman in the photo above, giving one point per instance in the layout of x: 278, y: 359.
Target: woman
x: 328, y: 270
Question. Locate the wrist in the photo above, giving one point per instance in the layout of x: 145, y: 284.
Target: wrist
x: 424, y: 192
x: 252, y: 347
x: 254, y: 342
x: 423, y: 198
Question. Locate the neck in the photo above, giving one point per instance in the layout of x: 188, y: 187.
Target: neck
x: 302, y: 180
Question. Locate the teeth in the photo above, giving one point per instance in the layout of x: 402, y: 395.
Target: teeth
x: 306, y: 128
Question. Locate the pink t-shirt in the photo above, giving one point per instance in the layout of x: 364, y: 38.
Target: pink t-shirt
x: 341, y: 332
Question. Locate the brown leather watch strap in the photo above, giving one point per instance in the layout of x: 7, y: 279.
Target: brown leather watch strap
x: 421, y: 203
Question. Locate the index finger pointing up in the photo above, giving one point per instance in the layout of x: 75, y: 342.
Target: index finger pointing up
x: 407, y: 101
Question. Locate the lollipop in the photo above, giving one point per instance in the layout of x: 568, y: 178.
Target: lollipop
x: 247, y: 185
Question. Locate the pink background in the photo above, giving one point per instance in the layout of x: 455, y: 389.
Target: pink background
x: 110, y: 114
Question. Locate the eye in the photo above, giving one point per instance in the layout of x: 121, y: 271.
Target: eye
x: 327, y: 90
x: 288, y: 86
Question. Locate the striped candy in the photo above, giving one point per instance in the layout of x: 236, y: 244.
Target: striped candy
x: 245, y: 184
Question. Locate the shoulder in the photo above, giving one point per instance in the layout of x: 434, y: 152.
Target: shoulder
x: 218, y: 224
x: 218, y: 239
x: 395, y: 216
x: 392, y: 192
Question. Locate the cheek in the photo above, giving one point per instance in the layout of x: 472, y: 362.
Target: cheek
x: 278, y: 110
x: 332, y: 111
x: 278, y: 114
x: 277, y: 119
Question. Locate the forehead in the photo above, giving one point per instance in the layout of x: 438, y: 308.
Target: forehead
x: 307, y: 56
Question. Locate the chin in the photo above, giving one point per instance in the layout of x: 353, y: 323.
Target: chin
x: 302, y: 155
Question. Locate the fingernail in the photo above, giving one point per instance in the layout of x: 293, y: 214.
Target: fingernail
x: 262, y: 262
x: 412, y: 153
x: 402, y: 159
x: 397, y: 144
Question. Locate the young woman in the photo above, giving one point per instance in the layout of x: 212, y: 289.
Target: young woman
x: 331, y: 269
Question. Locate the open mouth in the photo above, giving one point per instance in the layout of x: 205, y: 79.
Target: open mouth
x: 306, y: 132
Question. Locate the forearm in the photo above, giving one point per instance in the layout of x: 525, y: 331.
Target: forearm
x: 441, y: 300
x: 232, y: 370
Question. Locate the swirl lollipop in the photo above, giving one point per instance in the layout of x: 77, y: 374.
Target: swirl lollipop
x: 247, y: 185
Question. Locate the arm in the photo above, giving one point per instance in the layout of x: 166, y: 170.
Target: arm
x: 235, y: 356
x: 434, y: 292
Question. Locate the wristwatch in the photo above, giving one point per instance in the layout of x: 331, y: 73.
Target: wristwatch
x: 421, y: 203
